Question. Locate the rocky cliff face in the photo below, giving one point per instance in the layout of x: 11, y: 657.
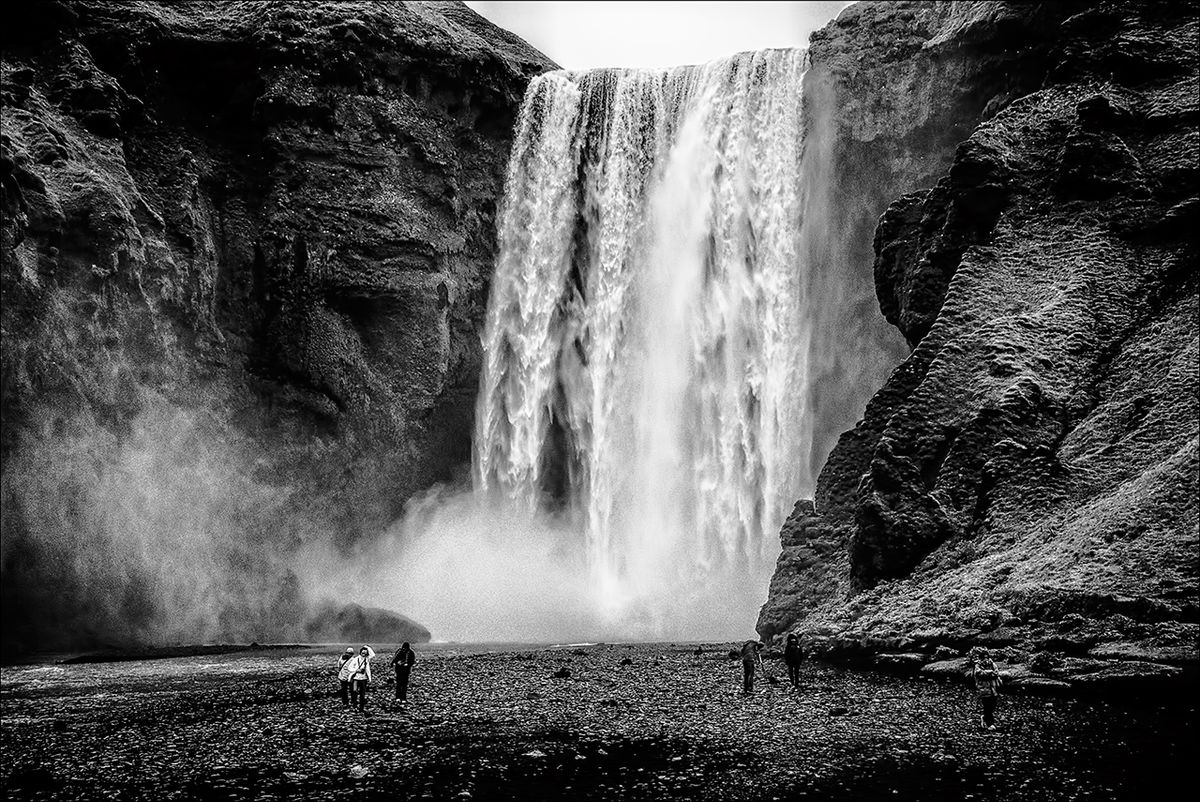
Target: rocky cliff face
x: 246, y: 249
x: 893, y: 88
x: 1027, y: 477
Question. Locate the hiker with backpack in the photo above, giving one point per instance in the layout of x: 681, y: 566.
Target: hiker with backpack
x: 751, y: 654
x: 792, y: 655
x: 987, y: 685
x: 403, y: 661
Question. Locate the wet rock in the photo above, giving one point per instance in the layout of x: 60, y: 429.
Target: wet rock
x: 1035, y: 684
x: 958, y: 668
x: 904, y: 663
x: 943, y: 653
x: 1127, y: 650
x: 1130, y: 677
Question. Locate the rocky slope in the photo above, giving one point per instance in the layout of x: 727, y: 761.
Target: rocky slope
x: 1027, y: 477
x: 245, y: 251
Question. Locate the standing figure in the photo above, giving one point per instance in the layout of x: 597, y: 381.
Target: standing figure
x: 792, y: 655
x: 751, y: 653
x: 360, y: 677
x: 987, y: 685
x: 344, y: 675
x: 403, y: 661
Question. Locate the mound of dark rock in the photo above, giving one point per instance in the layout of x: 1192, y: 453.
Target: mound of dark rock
x: 333, y: 623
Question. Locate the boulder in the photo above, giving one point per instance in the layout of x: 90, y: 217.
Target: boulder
x: 1039, y: 685
x: 1130, y: 677
x: 902, y: 663
x: 958, y: 668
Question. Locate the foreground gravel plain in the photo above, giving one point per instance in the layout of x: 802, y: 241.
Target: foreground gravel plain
x: 645, y: 721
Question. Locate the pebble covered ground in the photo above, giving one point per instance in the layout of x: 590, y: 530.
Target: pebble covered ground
x: 647, y: 721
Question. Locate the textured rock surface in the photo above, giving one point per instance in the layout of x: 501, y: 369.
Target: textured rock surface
x: 893, y: 88
x: 245, y: 252
x: 1027, y: 478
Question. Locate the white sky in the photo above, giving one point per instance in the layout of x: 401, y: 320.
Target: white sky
x: 582, y: 35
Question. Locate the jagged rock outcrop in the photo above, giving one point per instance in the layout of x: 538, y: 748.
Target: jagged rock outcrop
x: 892, y: 89
x: 1027, y: 478
x: 246, y: 249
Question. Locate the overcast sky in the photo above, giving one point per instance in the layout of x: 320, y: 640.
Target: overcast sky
x: 582, y: 35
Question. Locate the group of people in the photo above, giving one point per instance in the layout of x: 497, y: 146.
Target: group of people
x: 751, y: 654
x: 354, y: 674
x: 984, y: 674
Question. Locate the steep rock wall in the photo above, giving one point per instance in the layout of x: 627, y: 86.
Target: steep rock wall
x: 246, y: 249
x: 892, y: 89
x: 1027, y: 478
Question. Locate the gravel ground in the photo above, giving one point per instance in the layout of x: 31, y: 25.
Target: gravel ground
x: 630, y: 722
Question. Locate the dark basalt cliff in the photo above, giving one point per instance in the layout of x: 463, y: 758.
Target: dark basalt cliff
x: 1027, y: 477
x: 246, y: 249
x: 892, y: 89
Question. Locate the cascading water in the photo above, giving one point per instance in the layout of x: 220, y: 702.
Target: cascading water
x: 646, y: 336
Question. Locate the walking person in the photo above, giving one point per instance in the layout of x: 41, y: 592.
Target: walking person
x: 403, y: 661
x: 751, y: 653
x: 360, y: 677
x: 343, y: 675
x: 792, y: 655
x: 987, y: 685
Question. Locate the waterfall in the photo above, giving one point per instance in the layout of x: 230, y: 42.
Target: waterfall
x: 646, y: 337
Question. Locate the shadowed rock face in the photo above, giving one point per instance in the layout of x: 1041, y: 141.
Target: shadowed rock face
x: 1027, y: 478
x: 247, y: 244
x: 893, y: 88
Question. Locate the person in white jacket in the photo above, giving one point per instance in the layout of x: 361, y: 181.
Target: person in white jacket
x: 359, y: 668
x: 343, y: 675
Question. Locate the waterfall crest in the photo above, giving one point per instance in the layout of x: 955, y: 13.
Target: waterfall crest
x: 646, y: 337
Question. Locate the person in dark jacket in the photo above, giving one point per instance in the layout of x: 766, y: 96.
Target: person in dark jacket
x: 751, y: 654
x: 987, y: 685
x: 403, y: 661
x: 792, y: 655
